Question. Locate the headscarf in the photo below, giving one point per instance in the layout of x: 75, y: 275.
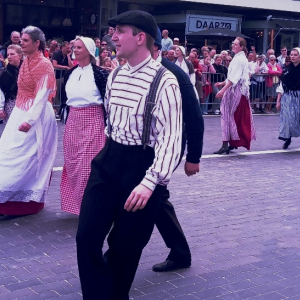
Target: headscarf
x: 89, y: 44
x: 182, y: 49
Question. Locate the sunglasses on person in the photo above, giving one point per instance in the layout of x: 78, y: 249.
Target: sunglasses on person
x: 103, y: 44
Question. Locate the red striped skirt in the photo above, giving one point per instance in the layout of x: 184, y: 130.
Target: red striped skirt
x: 83, y: 139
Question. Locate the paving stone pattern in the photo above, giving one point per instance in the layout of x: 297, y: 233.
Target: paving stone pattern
x: 240, y: 215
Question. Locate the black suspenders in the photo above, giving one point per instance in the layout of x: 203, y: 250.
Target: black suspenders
x: 150, y: 103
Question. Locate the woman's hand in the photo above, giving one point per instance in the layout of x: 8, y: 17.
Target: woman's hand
x: 2, y: 114
x: 278, y: 105
x: 217, y: 84
x: 220, y: 93
x: 25, y: 127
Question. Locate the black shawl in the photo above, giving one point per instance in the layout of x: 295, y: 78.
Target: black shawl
x: 8, y: 82
x: 291, y: 80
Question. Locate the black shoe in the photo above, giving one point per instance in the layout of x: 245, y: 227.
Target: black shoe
x: 170, y: 265
x: 222, y: 150
x: 231, y: 148
x: 261, y: 110
x: 286, y: 144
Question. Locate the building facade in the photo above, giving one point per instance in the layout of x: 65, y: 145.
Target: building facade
x: 269, y: 23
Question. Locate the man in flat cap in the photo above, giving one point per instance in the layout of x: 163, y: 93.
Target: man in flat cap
x: 130, y: 173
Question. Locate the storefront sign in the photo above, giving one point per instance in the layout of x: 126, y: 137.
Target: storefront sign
x: 196, y: 23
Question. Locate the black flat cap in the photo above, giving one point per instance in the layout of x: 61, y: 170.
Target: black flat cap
x: 138, y: 18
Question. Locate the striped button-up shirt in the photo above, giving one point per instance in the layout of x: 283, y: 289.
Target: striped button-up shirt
x: 125, y: 101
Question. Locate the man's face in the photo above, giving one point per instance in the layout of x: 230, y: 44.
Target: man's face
x: 126, y: 42
x: 283, y: 52
x: 164, y: 33
x: 66, y: 49
x: 111, y: 31
x: 15, y: 38
x: 53, y: 45
x: 170, y: 55
x: 250, y: 57
x: 212, y: 53
x: 176, y: 42
x: 224, y: 55
x: 192, y: 57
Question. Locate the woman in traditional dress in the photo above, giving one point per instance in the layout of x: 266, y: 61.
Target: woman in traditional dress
x: 8, y: 81
x: 236, y: 116
x: 288, y: 101
x: 29, y: 141
x: 84, y: 133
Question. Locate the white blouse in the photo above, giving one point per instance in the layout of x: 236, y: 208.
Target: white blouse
x: 238, y: 72
x: 81, y: 88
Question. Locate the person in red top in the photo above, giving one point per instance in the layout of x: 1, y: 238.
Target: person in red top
x: 272, y: 82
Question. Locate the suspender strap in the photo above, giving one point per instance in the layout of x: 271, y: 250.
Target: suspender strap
x: 116, y: 71
x: 150, y: 103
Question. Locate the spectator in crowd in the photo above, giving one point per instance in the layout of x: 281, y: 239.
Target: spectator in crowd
x: 176, y: 41
x: 164, y: 53
x: 52, y: 48
x: 257, y: 87
x: 269, y: 52
x: 219, y: 77
x: 288, y: 101
x: 207, y: 70
x: 166, y: 42
x: 171, y: 55
x: 107, y: 38
x: 61, y: 61
x: 8, y: 81
x: 212, y: 54
x: 185, y: 64
x: 84, y: 133
x: 281, y: 58
x: 272, y: 82
x: 198, y: 71
x: 205, y: 53
x: 286, y: 64
x: 236, y: 116
x: 14, y: 40
x: 98, y: 45
x: 29, y: 141
x: 224, y: 55
x: 227, y: 61
x: 108, y: 65
x: 119, y: 192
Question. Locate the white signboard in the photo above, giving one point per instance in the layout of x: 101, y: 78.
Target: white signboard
x: 196, y: 23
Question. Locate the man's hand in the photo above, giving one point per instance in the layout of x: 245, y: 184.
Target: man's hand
x: 138, y: 198
x: 25, y: 127
x: 191, y: 169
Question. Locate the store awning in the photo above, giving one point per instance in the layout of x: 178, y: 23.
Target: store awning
x: 218, y: 32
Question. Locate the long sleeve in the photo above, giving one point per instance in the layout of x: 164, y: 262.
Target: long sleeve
x: 168, y: 141
x: 35, y: 111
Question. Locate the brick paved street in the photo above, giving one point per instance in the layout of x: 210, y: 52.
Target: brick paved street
x: 240, y: 215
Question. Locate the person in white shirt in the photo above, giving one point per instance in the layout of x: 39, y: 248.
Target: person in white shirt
x: 236, y: 116
x: 131, y: 172
x: 166, y: 42
x: 84, y: 133
x: 281, y: 58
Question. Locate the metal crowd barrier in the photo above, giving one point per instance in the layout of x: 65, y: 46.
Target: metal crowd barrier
x: 259, y: 92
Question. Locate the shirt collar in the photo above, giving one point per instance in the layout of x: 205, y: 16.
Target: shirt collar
x: 140, y: 65
x: 89, y: 66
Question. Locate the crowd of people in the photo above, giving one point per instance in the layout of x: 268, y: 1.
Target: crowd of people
x: 133, y: 96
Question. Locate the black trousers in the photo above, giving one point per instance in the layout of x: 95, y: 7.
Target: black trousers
x: 115, y: 172
x: 171, y: 231
x: 169, y: 226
